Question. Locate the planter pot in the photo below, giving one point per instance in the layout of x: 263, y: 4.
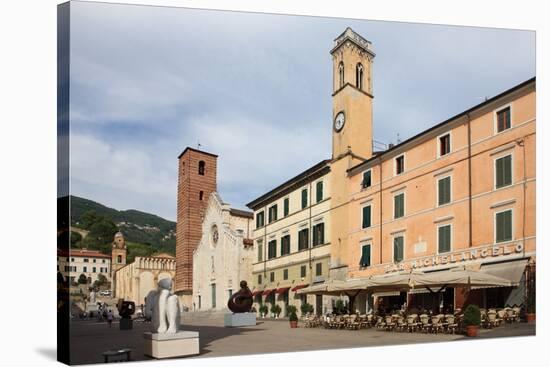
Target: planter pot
x: 293, y: 324
x: 471, y: 330
x: 530, y: 317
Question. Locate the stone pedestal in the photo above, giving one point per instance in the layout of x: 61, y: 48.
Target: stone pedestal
x: 183, y: 343
x: 126, y: 324
x: 239, y: 319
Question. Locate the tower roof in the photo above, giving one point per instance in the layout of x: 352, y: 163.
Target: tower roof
x: 198, y: 151
x: 356, y: 38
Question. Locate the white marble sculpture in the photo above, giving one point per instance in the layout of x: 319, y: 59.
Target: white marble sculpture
x: 163, y: 308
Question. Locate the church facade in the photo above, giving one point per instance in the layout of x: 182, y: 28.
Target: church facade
x: 223, y: 256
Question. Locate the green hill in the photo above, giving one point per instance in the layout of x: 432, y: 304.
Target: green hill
x: 136, y: 226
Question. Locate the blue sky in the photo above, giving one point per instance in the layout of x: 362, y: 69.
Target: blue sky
x: 255, y: 89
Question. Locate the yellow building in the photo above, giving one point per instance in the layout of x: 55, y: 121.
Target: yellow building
x: 292, y: 239
x: 135, y: 280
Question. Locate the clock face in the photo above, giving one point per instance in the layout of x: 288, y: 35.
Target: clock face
x: 339, y: 121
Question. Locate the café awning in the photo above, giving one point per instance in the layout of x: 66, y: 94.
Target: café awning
x: 255, y: 293
x: 460, y: 277
x: 267, y: 292
x: 299, y: 287
x: 510, y: 270
x: 282, y: 290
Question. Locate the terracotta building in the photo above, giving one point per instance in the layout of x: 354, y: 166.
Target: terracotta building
x: 196, y: 181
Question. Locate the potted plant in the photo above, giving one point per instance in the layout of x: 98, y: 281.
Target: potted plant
x: 263, y: 310
x: 276, y: 310
x: 292, y: 317
x: 306, y: 308
x: 472, y: 320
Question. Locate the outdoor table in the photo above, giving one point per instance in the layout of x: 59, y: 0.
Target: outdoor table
x: 116, y: 353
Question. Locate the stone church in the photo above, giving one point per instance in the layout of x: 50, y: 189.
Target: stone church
x: 223, y: 256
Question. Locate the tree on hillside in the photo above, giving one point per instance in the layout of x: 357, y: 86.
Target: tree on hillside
x: 89, y: 218
x: 101, y: 235
x: 75, y: 238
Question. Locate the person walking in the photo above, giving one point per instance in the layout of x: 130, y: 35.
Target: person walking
x: 110, y: 317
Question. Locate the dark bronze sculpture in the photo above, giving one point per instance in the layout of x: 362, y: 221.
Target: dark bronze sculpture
x: 242, y: 300
x: 125, y: 308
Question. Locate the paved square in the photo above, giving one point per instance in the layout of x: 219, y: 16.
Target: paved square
x: 91, y: 338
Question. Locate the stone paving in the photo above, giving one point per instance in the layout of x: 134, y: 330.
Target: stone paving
x: 90, y: 338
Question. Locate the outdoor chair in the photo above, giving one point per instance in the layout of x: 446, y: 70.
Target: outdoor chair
x: 390, y: 324
x: 362, y: 320
x: 353, y: 322
x: 492, y: 320
x: 425, y: 323
x: 501, y: 314
x: 510, y: 315
x: 380, y: 323
x: 371, y: 320
x: 517, y: 312
x: 412, y: 322
x: 400, y: 323
x: 436, y: 323
x: 450, y: 324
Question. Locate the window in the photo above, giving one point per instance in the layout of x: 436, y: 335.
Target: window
x: 272, y: 276
x: 93, y: 270
x: 119, y: 259
x: 200, y: 302
x: 85, y: 260
x: 84, y: 269
x: 201, y: 194
x: 285, y: 245
x: 272, y: 249
x: 201, y: 168
x: 444, y: 191
x: 303, y: 271
x: 303, y: 239
x: 503, y: 171
x: 359, y: 76
x: 503, y: 119
x: 398, y: 244
x: 94, y: 260
x: 272, y: 213
x: 213, y: 295
x: 319, y: 191
x: 319, y: 234
x: 260, y: 251
x: 318, y: 269
x: 444, y: 144
x: 260, y: 219
x: 286, y: 206
x: 304, y: 198
x: 285, y: 274
x: 365, y: 256
x: 103, y: 261
x: 399, y: 164
x: 444, y: 238
x: 341, y: 74
x: 259, y: 278
x: 72, y: 259
x: 399, y: 205
x: 503, y: 226
x: 366, y: 217
x: 367, y: 179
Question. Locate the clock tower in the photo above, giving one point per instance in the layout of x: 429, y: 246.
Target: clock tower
x: 352, y: 58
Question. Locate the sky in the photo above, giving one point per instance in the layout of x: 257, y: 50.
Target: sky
x: 255, y: 89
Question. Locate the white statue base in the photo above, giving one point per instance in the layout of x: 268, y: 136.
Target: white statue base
x: 180, y: 344
x: 239, y: 319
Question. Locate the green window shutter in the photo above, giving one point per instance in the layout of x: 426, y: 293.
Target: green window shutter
x: 444, y: 236
x: 507, y: 170
x: 399, y: 209
x: 303, y: 271
x: 365, y: 256
x: 286, y: 207
x: 366, y: 216
x: 366, y: 179
x: 499, y: 176
x: 318, y: 269
x: 319, y: 191
x: 444, y: 190
x: 504, y: 226
x: 260, y: 252
x: 304, y: 198
x: 315, y: 236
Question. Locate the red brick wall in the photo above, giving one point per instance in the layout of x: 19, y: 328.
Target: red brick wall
x: 191, y: 211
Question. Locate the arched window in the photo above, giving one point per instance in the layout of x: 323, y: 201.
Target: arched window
x: 201, y: 168
x: 359, y: 76
x: 201, y: 194
x: 119, y: 259
x: 341, y: 74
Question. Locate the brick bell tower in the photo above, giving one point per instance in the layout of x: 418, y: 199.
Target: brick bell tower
x: 118, y: 258
x: 196, y: 181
